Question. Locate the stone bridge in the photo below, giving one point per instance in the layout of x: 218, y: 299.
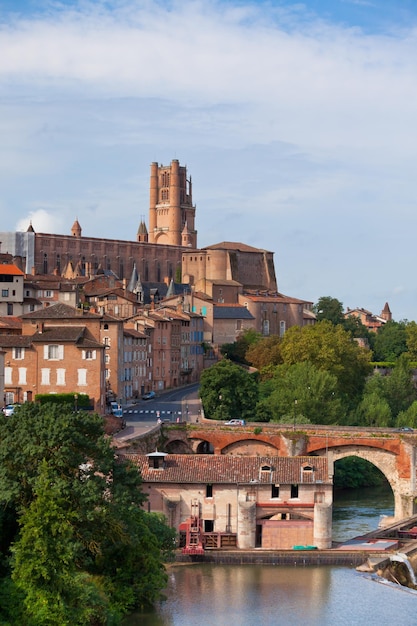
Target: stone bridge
x: 393, y: 453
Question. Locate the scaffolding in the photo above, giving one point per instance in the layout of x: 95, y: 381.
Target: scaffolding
x: 193, y: 531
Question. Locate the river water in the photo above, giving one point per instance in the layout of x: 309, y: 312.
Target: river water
x: 264, y: 595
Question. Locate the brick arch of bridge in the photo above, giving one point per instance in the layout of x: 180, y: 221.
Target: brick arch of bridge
x: 394, y: 458
x: 244, y: 444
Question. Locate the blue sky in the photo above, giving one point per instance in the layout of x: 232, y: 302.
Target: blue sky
x: 297, y: 122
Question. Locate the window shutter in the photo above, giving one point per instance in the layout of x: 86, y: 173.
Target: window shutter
x: 45, y: 352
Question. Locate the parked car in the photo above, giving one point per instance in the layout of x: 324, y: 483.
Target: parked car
x: 149, y: 396
x: 8, y: 410
x: 115, y: 407
x: 235, y: 422
x: 405, y: 429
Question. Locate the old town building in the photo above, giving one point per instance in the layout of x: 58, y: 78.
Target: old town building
x: 246, y: 502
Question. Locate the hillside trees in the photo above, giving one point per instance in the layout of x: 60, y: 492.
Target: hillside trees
x: 303, y: 393
x: 228, y: 391
x: 81, y: 550
x: 329, y: 348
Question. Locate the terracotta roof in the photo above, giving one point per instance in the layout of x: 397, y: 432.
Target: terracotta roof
x: 10, y: 321
x: 233, y: 245
x: 59, y: 311
x: 59, y: 333
x: 227, y: 469
x: 15, y: 341
x: 10, y: 270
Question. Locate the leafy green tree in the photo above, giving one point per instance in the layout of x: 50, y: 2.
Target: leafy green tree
x: 72, y: 497
x: 303, y: 392
x: 411, y: 339
x: 374, y: 410
x: 408, y: 417
x: 228, y: 391
x: 399, y: 389
x: 390, y: 341
x: 328, y: 308
x: 333, y: 349
x: 265, y: 352
x: 237, y: 350
x: 45, y: 557
x: 353, y: 472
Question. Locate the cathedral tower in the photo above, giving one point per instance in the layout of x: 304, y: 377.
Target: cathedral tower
x: 171, y: 206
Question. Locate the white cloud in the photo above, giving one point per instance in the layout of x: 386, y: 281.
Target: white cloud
x: 300, y: 134
x: 42, y: 222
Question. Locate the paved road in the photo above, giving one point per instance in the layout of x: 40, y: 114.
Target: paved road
x: 177, y: 405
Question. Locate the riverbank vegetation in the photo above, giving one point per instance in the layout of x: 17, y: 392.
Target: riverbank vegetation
x: 76, y: 546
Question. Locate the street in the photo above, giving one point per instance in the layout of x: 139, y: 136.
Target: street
x: 175, y: 405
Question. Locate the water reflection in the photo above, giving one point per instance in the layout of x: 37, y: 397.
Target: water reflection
x: 269, y: 595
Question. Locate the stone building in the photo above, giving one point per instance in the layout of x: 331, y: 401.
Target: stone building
x: 247, y: 502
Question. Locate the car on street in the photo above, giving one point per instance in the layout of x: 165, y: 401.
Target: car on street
x: 8, y: 410
x: 149, y: 396
x: 235, y: 422
x: 405, y: 429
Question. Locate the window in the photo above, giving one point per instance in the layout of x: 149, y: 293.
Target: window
x: 265, y: 328
x: 53, y: 352
x: 45, y: 376
x: 60, y: 376
x: 274, y: 491
x: 5, y: 293
x: 281, y: 328
x: 7, y: 376
x: 48, y: 293
x: 209, y: 491
x: 18, y: 353
x: 294, y: 491
x: 22, y: 375
x: 82, y: 377
x: 89, y: 354
x: 208, y: 525
x: 9, y: 308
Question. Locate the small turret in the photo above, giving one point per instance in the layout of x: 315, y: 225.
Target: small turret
x: 76, y: 229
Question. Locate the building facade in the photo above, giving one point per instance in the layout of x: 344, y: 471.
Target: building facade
x: 245, y: 502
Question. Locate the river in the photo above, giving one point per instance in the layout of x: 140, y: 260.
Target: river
x: 248, y: 595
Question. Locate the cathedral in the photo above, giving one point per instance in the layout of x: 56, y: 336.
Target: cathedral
x: 164, y: 253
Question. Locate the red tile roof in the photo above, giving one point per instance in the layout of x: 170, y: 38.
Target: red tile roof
x: 229, y: 469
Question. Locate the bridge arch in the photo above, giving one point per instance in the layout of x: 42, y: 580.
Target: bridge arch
x: 384, y: 460
x: 250, y: 447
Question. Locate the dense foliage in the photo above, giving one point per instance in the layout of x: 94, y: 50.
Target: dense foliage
x: 76, y: 545
x: 321, y: 374
x: 228, y: 391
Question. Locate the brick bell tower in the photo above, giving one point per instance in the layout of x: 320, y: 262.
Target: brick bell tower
x: 171, y: 210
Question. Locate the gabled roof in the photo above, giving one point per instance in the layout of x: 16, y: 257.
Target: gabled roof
x: 10, y: 270
x: 227, y: 469
x: 59, y: 311
x: 15, y: 341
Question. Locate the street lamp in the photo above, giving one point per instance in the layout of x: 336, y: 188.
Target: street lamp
x: 295, y: 411
x: 76, y: 401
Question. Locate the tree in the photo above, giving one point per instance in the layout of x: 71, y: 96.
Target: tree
x: 304, y: 391
x: 72, y: 497
x: 264, y: 352
x: 411, y: 339
x: 390, y: 341
x: 237, y: 350
x: 227, y: 391
x: 374, y: 410
x: 328, y: 308
x: 330, y: 348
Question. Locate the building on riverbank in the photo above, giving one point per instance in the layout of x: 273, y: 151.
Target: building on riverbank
x: 243, y: 502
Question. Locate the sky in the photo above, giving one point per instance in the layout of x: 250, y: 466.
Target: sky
x: 297, y: 122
